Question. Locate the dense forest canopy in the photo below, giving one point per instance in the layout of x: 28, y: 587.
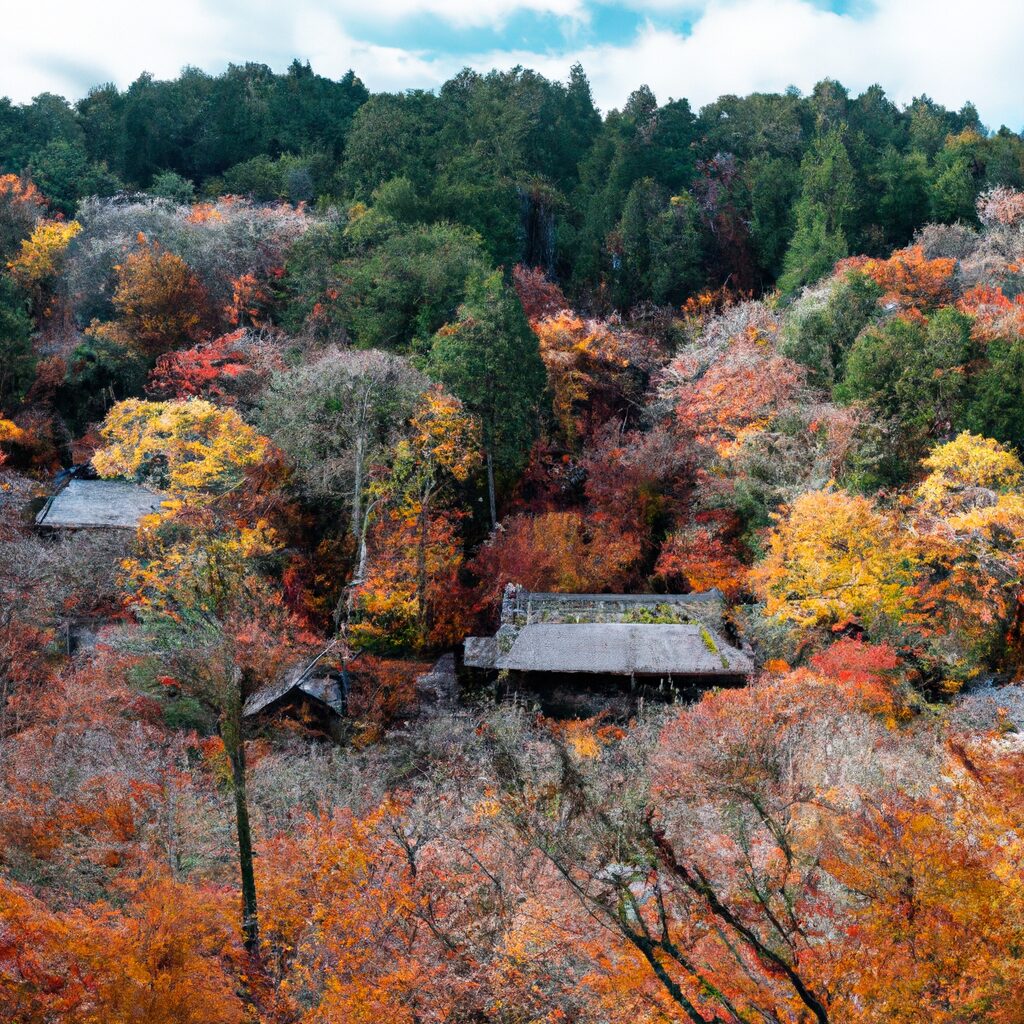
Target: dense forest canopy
x: 647, y: 202
x: 375, y: 357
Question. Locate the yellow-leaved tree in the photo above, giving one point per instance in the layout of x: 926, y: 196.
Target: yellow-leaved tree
x: 41, y: 254
x: 190, y: 446
x: 417, y: 545
x: 968, y: 515
x: 197, y: 582
x: 835, y: 557
x: 957, y: 469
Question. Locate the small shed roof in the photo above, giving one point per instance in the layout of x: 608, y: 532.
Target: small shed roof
x: 99, y: 504
x: 623, y: 649
x: 324, y: 689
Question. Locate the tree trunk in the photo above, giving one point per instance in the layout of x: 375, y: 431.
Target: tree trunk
x: 250, y: 919
x: 234, y: 745
x: 421, y: 568
x: 490, y: 489
x: 357, y: 488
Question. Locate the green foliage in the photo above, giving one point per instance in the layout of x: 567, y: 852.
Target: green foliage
x: 530, y: 166
x: 814, y: 249
x: 660, y: 614
x: 64, y: 173
x: 661, y: 246
x: 909, y: 370
x: 996, y: 405
x: 408, y: 285
x: 953, y: 192
x: 100, y: 373
x: 823, y: 324
x: 774, y: 185
x: 392, y: 136
x: 904, y: 202
x: 17, y: 360
x: 828, y: 179
x: 490, y: 359
x: 172, y: 186
x: 294, y: 178
x: 822, y: 213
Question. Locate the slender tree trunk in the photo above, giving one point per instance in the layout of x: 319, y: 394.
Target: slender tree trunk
x: 421, y: 568
x: 490, y: 488
x: 363, y: 555
x: 357, y: 488
x: 250, y: 918
x: 234, y: 745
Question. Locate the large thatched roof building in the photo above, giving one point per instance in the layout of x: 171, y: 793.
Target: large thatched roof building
x: 653, y: 637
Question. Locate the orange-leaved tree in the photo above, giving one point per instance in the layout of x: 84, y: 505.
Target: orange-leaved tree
x: 163, y: 953
x: 159, y: 301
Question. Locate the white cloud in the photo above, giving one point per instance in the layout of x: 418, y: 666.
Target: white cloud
x: 910, y: 47
x: 460, y: 13
x: 944, y: 48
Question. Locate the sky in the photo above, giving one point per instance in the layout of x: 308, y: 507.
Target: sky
x: 951, y: 50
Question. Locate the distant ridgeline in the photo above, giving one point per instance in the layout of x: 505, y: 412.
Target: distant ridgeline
x: 650, y: 202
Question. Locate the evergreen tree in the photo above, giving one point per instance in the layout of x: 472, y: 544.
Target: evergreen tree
x: 16, y: 358
x: 490, y: 359
x: 826, y: 202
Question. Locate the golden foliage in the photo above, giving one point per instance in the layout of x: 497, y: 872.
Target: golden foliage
x: 835, y: 557
x: 181, y: 446
x: 160, y: 303
x: 41, y: 253
x: 968, y: 461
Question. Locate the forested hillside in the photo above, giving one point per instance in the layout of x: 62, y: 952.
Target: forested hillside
x: 376, y: 357
x: 650, y: 202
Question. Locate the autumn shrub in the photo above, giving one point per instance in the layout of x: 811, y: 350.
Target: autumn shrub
x: 556, y: 551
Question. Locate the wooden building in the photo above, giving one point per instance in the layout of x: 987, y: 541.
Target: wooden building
x: 317, y: 700
x: 565, y: 643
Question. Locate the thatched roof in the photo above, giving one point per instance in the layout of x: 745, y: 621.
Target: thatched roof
x: 623, y: 649
x: 99, y: 504
x: 662, y: 635
x: 322, y: 689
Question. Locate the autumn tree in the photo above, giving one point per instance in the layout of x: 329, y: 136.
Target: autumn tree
x: 558, y: 551
x: 167, y: 951
x: 39, y: 259
x: 194, y: 580
x: 539, y: 297
x: 230, y: 370
x: 21, y: 207
x: 908, y: 279
x: 441, y: 448
x: 159, y: 301
x: 834, y: 557
x: 337, y: 416
x: 189, y: 445
x: 726, y: 387
x: 969, y: 518
x: 594, y: 372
